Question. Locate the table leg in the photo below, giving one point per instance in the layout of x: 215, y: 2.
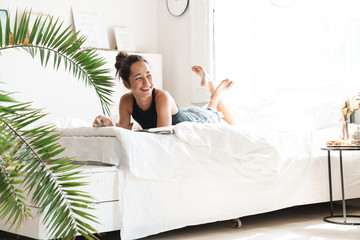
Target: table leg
x: 330, y: 186
x: 339, y: 219
x: 342, y: 187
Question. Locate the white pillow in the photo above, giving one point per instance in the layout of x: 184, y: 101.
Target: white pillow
x: 306, y: 107
x: 291, y: 109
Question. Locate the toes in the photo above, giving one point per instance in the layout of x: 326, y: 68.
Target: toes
x: 195, y: 68
x: 225, y: 82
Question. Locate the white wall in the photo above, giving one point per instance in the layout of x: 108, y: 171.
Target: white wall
x: 153, y: 28
x: 139, y: 16
x: 174, y: 45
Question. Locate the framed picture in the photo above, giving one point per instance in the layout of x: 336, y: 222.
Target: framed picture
x: 3, y: 19
x: 90, y: 23
x: 124, y: 41
x: 32, y: 19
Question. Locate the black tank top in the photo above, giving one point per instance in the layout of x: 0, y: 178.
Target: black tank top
x: 148, y: 118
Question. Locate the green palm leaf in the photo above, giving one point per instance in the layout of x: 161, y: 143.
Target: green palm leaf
x: 27, y: 162
x: 28, y: 155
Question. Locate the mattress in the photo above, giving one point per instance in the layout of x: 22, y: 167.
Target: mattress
x: 90, y: 149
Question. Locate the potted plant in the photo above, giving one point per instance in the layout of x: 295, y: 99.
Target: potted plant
x: 28, y: 155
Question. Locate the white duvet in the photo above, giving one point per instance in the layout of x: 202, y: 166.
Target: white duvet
x: 155, y: 169
x: 195, y: 152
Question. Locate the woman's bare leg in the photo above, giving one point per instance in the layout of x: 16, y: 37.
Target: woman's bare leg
x: 215, y: 98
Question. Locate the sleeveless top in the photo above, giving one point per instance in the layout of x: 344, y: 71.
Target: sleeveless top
x: 148, y: 118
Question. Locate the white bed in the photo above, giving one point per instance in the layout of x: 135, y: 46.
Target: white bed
x: 207, y: 172
x: 204, y: 173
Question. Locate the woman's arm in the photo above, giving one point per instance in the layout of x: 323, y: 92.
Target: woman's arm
x: 125, y: 111
x: 165, y: 108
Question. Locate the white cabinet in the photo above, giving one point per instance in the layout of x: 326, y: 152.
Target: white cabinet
x: 106, y: 209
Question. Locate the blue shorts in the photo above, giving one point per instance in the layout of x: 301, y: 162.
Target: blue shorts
x: 202, y: 115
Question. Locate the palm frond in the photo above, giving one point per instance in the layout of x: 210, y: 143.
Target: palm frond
x: 28, y: 155
x: 47, y: 39
x: 23, y: 153
x: 12, y: 202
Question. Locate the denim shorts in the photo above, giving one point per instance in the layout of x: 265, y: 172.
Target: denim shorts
x: 202, y: 115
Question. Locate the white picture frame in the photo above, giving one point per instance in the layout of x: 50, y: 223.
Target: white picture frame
x: 90, y: 23
x: 3, y: 18
x: 124, y: 41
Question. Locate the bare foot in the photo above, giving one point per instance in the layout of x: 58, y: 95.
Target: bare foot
x: 205, y: 80
x: 224, y: 86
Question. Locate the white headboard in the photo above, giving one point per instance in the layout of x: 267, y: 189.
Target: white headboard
x: 58, y: 92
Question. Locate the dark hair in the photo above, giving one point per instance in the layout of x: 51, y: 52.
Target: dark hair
x: 123, y: 64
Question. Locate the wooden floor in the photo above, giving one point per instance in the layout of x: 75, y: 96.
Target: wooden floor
x: 303, y: 222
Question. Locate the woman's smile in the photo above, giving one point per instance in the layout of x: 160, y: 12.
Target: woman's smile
x: 141, y: 79
x: 149, y: 88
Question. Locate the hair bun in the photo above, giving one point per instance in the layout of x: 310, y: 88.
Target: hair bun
x: 123, y: 64
x: 120, y: 57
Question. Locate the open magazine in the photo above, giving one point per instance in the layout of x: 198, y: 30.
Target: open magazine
x: 159, y: 130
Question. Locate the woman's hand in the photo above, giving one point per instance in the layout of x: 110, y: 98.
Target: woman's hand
x: 102, y: 121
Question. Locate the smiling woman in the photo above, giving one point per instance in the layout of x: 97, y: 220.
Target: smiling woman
x: 152, y: 107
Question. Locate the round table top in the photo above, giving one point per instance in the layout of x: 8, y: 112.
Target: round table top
x: 338, y: 148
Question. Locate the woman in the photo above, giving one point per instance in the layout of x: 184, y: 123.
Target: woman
x: 152, y: 107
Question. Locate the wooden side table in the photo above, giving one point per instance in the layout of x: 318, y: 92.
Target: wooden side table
x: 339, y: 219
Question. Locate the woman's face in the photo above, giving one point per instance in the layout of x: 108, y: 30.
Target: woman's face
x: 141, y: 83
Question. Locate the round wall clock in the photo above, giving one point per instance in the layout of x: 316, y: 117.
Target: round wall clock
x: 177, y: 7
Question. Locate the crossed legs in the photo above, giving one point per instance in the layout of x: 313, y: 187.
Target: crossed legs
x: 216, y: 93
